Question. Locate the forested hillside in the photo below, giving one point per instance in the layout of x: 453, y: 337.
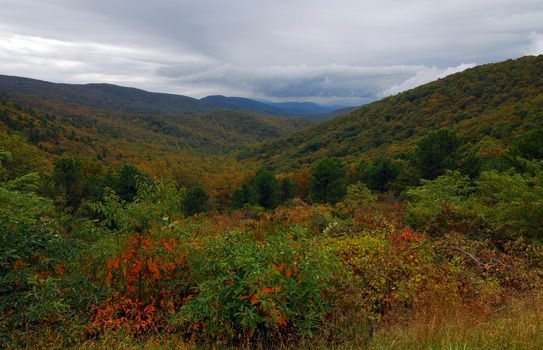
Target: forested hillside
x: 104, y: 96
x: 193, y: 148
x: 114, y: 98
x: 489, y: 106
x: 216, y: 132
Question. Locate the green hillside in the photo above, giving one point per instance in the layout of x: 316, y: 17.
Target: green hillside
x: 489, y: 105
x: 60, y: 127
x: 192, y: 148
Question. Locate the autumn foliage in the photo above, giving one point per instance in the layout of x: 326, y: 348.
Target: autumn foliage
x: 146, y: 282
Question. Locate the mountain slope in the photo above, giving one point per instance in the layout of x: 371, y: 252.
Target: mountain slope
x: 300, y: 109
x: 116, y: 98
x: 49, y: 122
x: 104, y: 96
x: 489, y: 105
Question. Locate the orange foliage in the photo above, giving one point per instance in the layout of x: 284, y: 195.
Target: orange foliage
x: 141, y: 279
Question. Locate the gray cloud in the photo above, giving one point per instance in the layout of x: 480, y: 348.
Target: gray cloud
x: 348, y: 51
x: 343, y: 83
x: 423, y: 76
x: 536, y: 46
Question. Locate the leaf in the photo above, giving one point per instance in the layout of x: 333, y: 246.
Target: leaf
x: 281, y: 321
x: 288, y: 273
x: 153, y: 268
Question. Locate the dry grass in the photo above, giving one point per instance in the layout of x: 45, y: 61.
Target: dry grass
x: 517, y: 325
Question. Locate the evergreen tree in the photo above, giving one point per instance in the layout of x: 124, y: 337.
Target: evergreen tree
x: 287, y: 189
x: 437, y: 152
x: 196, y: 200
x: 381, y: 175
x: 66, y: 178
x: 266, y: 188
x: 328, y: 181
x: 530, y: 146
x: 125, y: 183
x: 243, y: 196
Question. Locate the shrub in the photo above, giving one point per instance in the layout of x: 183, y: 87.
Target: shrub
x: 147, y: 281
x: 248, y: 287
x: 386, y: 269
x: 501, y: 206
x: 442, y: 205
x: 512, y: 204
x: 358, y: 195
x: 155, y: 201
x: 31, y: 253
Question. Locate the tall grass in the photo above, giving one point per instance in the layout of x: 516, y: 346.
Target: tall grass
x: 517, y: 325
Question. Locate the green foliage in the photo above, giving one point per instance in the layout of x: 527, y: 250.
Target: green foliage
x: 328, y: 181
x: 267, y: 189
x: 530, y: 146
x: 437, y: 152
x: 125, y: 181
x: 430, y: 203
x: 502, y: 205
x: 247, y: 287
x: 287, y: 188
x: 245, y: 195
x: 512, y: 204
x: 155, y: 202
x: 380, y: 176
x: 29, y: 255
x: 196, y: 200
x: 358, y: 196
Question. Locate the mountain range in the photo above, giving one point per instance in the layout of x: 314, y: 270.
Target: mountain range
x: 131, y: 100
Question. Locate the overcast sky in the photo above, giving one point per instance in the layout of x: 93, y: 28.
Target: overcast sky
x: 326, y: 51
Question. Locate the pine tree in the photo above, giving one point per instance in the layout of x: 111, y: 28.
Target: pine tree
x: 196, y: 200
x: 266, y: 188
x: 381, y: 175
x: 328, y: 181
x: 437, y: 152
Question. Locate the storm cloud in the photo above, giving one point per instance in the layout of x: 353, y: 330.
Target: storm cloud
x: 332, y: 52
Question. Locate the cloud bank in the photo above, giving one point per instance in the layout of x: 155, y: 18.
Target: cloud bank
x: 345, y: 52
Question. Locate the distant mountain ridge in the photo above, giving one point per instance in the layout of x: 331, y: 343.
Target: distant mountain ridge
x: 104, y: 96
x: 136, y: 101
x: 302, y: 109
